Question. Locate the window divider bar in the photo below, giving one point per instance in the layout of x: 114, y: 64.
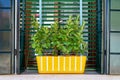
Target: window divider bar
x: 40, y: 12
x: 80, y: 12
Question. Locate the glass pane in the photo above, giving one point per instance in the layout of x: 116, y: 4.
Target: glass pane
x: 5, y: 3
x: 4, y: 18
x: 115, y: 4
x: 114, y: 64
x: 115, y: 21
x: 5, y: 41
x: 115, y: 42
x: 5, y: 63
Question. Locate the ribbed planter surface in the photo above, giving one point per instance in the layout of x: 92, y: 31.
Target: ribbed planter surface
x: 61, y: 64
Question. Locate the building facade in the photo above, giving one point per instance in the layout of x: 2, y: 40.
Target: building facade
x: 101, y: 31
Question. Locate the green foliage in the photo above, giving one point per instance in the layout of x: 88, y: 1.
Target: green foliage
x: 68, y: 38
x: 40, y: 38
x: 35, y: 23
x: 54, y: 41
x: 71, y: 37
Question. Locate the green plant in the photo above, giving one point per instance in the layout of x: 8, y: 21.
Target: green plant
x: 54, y: 33
x: 45, y: 38
x: 71, y: 36
x: 68, y: 39
x: 40, y: 39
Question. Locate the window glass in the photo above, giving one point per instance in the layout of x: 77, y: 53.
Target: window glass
x: 5, y: 3
x: 5, y: 41
x: 115, y: 4
x: 115, y: 64
x: 4, y: 18
x: 115, y: 42
x: 115, y: 21
x: 5, y: 63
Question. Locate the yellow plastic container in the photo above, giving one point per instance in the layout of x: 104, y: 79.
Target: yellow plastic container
x: 61, y: 64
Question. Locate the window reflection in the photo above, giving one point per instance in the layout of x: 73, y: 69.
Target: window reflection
x: 5, y: 3
x: 5, y: 41
x: 5, y: 63
x: 4, y: 18
x: 115, y: 21
x: 115, y: 4
x: 115, y: 42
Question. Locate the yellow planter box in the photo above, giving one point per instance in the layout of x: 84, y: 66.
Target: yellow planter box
x: 61, y: 64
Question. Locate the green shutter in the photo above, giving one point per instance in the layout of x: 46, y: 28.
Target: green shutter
x: 22, y: 34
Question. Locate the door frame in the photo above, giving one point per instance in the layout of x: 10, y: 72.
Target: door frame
x: 16, y: 36
x: 13, y: 35
x: 106, y: 36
